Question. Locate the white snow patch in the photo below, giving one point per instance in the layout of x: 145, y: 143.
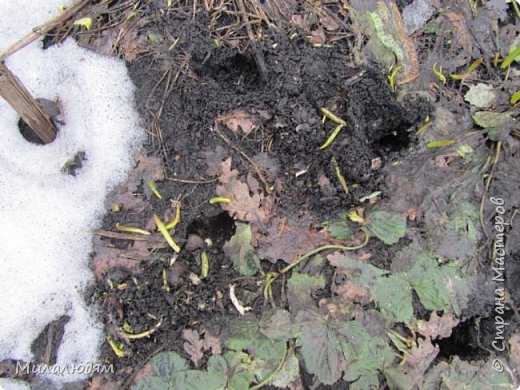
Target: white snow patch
x: 46, y: 217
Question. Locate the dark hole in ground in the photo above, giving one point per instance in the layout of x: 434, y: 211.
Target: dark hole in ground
x: 463, y: 342
x: 472, y: 339
x: 28, y: 134
x: 51, y: 109
x: 238, y: 69
x: 218, y: 228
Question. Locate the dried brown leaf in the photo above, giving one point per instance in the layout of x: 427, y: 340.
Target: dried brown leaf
x: 193, y: 346
x: 245, y: 206
x: 317, y: 37
x: 123, y: 39
x: 438, y: 327
x: 353, y: 293
x: 287, y: 239
x: 268, y: 165
x: 326, y: 187
x: 105, y: 382
x: 423, y: 352
x: 107, y: 258
x: 214, y: 158
x: 462, y: 38
x: 410, y: 60
x: 196, y: 344
x: 278, y: 9
x: 329, y: 23
x: 213, y: 343
x: 238, y: 119
x: 418, y: 360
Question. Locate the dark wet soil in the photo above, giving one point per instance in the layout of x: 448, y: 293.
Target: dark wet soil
x: 290, y: 81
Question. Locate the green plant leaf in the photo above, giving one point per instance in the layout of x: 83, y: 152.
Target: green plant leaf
x: 397, y: 380
x: 391, y: 293
x: 320, y: 348
x: 366, y: 355
x: 439, y: 143
x: 481, y: 95
x: 238, y: 374
x: 489, y: 119
x: 458, y: 374
x: 168, y: 370
x: 268, y: 350
x: 339, y: 229
x: 388, y: 227
x: 264, y: 354
x: 299, y: 288
x: 244, y: 332
x: 277, y: 324
x: 362, y: 273
x: 168, y: 363
x: 393, y: 297
x: 438, y: 287
x: 513, y: 54
x: 464, y: 220
x: 288, y: 373
x: 202, y: 380
x: 267, y: 357
x: 154, y: 37
x: 241, y: 252
x: 366, y: 381
x: 515, y: 98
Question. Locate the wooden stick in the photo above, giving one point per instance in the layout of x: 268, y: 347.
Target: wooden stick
x: 18, y: 97
x: 155, y: 239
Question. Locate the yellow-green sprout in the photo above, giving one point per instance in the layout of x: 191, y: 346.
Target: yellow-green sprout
x: 162, y: 228
x: 439, y: 74
x: 84, y: 22
x: 131, y: 229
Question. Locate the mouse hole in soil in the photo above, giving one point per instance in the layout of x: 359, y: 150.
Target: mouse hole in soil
x: 233, y: 68
x: 28, y: 134
x: 52, y: 110
x: 469, y: 340
x: 218, y: 228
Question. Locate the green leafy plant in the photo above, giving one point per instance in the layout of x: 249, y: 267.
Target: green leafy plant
x: 439, y: 287
x: 171, y: 371
x: 241, y: 252
x: 332, y: 347
x: 388, y: 227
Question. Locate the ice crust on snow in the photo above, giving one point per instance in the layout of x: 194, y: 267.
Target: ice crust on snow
x: 47, y: 217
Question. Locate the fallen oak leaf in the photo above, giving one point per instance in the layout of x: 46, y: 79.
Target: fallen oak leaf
x: 212, y: 342
x: 106, y: 258
x: 350, y: 292
x: 193, y: 346
x: 239, y: 119
x: 437, y: 327
x: 214, y: 158
x: 288, y: 239
x: 243, y: 205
